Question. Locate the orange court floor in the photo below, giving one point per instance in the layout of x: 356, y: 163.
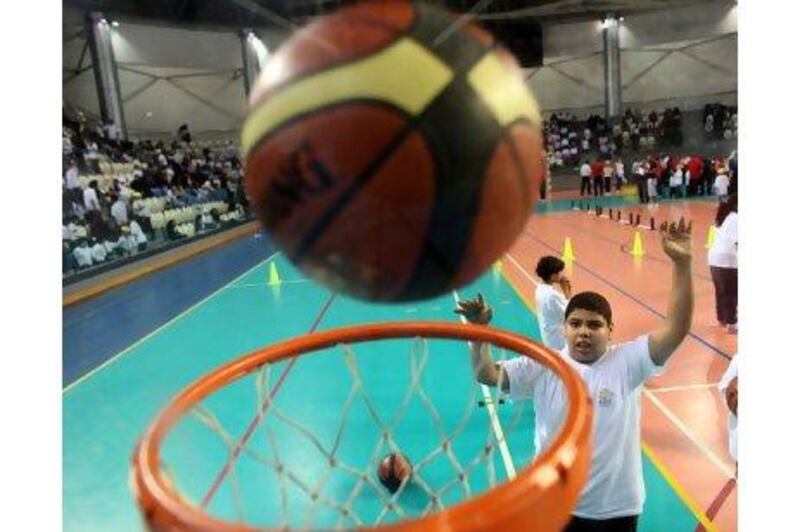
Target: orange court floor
x: 684, y: 419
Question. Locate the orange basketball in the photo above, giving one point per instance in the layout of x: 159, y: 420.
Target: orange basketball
x: 391, y: 156
x: 393, y: 470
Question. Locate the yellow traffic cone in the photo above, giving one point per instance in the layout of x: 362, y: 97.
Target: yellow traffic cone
x: 497, y: 268
x: 274, y: 278
x: 567, y: 255
x: 712, y: 234
x: 638, y: 247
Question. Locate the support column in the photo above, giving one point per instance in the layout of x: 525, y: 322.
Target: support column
x: 254, y: 55
x: 98, y: 32
x: 611, y: 63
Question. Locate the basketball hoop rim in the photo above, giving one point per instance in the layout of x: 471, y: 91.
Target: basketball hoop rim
x: 569, y: 451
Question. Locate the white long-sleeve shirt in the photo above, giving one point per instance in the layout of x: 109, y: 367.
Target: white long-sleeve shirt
x: 90, y: 200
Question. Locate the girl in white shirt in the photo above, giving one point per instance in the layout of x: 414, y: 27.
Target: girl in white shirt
x: 722, y: 260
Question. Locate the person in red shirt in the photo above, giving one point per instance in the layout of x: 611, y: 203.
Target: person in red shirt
x: 597, y: 176
x: 694, y: 166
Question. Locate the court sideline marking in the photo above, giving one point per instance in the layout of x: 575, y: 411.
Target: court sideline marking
x: 496, y: 427
x: 665, y: 473
x: 152, y: 333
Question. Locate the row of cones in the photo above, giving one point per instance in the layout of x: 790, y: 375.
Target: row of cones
x: 568, y: 254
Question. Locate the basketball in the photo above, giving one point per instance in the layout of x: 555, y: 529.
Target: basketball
x: 392, y: 153
x: 393, y: 470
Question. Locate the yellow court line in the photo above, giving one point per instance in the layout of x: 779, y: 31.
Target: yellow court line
x: 660, y: 467
x: 701, y: 516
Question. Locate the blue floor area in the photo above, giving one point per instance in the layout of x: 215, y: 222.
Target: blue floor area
x: 591, y: 202
x: 99, y: 328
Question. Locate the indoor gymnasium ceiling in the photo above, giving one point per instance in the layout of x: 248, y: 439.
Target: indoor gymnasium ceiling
x: 262, y: 13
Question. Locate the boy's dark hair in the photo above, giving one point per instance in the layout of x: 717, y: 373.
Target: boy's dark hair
x: 591, y: 301
x: 549, y: 266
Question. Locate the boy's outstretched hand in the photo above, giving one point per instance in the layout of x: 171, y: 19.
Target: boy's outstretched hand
x: 676, y: 240
x: 475, y: 310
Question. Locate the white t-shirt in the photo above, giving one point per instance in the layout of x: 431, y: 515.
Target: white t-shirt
x: 120, y: 212
x: 733, y: 421
x: 137, y: 233
x: 551, y: 304
x: 71, y: 177
x: 615, y: 486
x: 676, y: 179
x: 99, y: 252
x: 724, y: 253
x: 586, y: 170
x: 652, y: 187
x: 721, y: 184
x: 83, y: 255
x: 90, y: 200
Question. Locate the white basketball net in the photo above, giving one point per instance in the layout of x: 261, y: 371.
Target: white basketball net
x: 366, y: 484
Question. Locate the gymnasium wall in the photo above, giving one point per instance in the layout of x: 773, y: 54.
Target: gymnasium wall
x: 169, y: 75
x: 683, y: 58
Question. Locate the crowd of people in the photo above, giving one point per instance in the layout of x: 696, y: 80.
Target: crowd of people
x: 720, y: 121
x: 661, y: 176
x: 569, y: 139
x: 122, y: 197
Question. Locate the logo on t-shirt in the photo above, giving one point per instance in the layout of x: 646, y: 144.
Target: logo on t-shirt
x: 605, y: 397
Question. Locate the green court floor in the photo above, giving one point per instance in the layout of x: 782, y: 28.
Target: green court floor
x: 106, y: 411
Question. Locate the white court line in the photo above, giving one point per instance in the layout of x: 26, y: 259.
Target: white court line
x: 183, y: 314
x: 265, y: 283
x: 496, y: 427
x: 684, y: 387
x: 711, y: 455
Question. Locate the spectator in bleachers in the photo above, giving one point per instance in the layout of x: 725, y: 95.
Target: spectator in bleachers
x: 183, y: 133
x: 181, y: 173
x: 71, y: 182
x: 91, y: 158
x: 91, y: 201
x: 82, y: 254
x: 119, y: 211
x: 98, y: 251
x: 126, y: 243
x: 138, y: 235
x: 172, y: 232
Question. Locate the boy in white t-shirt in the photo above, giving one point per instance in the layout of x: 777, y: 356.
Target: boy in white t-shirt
x: 551, y: 300
x: 613, y: 496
